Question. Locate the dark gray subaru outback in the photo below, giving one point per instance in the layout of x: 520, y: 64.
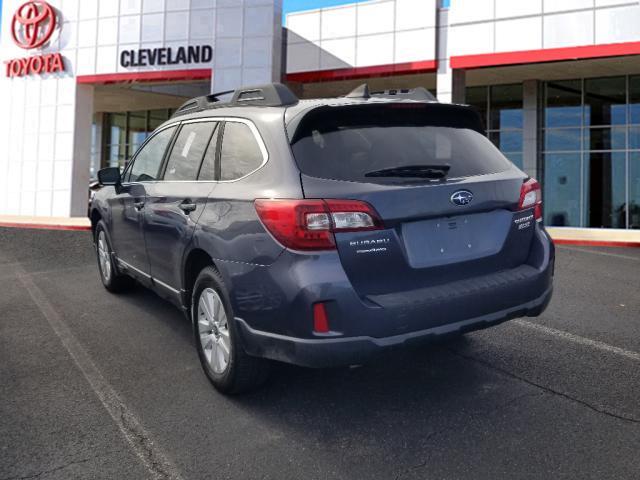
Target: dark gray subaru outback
x: 319, y: 232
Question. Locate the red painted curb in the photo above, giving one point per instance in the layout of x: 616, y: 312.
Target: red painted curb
x: 596, y: 243
x: 41, y: 226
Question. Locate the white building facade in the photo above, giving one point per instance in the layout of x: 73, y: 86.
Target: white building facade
x: 49, y: 123
x: 557, y: 83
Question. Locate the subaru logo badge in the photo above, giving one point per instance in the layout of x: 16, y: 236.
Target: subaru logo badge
x: 462, y: 198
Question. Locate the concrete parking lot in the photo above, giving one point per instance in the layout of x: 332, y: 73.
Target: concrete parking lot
x: 94, y: 385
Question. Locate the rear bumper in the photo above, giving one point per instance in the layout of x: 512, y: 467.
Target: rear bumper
x: 327, y: 352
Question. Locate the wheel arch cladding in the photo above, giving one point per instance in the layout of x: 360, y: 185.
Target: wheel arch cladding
x: 197, y: 259
x: 96, y: 216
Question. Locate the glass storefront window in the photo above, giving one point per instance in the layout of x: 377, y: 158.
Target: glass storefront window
x: 605, y: 175
x: 563, y: 104
x: 562, y: 189
x: 138, y: 131
x: 118, y: 127
x: 116, y: 155
x: 158, y: 117
x: 562, y: 140
x: 588, y: 139
x: 634, y: 138
x: 478, y: 98
x: 605, y: 101
x: 96, y: 140
x: 605, y: 138
x: 634, y: 190
x: 634, y: 100
x: 125, y: 132
x: 500, y: 107
x: 507, y: 140
x: 505, y: 107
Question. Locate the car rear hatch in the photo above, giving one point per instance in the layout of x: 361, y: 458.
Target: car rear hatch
x: 447, y: 199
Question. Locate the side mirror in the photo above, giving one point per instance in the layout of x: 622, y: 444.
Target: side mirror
x: 109, y: 176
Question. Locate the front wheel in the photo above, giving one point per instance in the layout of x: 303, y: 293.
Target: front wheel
x: 221, y: 355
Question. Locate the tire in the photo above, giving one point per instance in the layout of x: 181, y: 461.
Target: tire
x: 112, y: 279
x: 224, y: 361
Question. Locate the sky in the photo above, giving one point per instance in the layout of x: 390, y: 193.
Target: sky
x: 298, y: 5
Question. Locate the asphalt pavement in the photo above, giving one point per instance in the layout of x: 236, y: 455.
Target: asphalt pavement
x: 96, y: 385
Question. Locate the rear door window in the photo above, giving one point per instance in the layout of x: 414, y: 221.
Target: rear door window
x: 352, y: 142
x: 241, y: 153
x: 188, y: 151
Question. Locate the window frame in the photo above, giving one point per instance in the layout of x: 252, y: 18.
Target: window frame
x: 222, y: 121
x: 259, y: 141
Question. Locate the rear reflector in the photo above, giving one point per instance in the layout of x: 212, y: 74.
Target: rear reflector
x: 311, y: 224
x: 320, y: 319
x: 531, y: 196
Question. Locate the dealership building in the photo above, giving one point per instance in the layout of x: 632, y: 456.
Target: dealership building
x: 557, y: 83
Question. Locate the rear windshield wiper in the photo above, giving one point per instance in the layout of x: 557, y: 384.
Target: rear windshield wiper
x: 412, y: 171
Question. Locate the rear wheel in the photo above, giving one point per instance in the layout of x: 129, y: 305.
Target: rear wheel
x: 221, y: 355
x: 112, y: 280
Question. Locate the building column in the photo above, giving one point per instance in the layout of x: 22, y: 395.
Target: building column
x: 252, y: 54
x: 450, y: 84
x: 531, y: 141
x: 81, y: 166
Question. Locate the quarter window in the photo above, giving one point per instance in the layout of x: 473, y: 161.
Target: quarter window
x: 147, y: 162
x: 188, y: 151
x: 240, y: 153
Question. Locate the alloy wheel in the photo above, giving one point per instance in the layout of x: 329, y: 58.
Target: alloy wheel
x: 103, y: 257
x: 213, y: 330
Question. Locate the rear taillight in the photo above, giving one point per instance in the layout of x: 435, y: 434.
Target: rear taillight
x: 311, y: 224
x: 531, y: 197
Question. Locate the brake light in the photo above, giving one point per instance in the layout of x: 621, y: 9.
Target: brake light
x: 311, y: 224
x: 531, y: 196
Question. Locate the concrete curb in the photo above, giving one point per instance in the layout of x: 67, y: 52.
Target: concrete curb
x: 594, y: 237
x: 46, y: 223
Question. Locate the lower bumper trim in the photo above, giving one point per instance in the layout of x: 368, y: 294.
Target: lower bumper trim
x: 330, y: 352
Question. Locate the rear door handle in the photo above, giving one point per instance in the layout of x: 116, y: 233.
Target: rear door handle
x: 187, y: 206
x: 139, y: 205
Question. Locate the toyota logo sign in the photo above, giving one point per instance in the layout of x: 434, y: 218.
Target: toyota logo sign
x: 33, y: 24
x: 31, y: 27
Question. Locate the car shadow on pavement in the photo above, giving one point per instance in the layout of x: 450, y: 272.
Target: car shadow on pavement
x: 399, y: 406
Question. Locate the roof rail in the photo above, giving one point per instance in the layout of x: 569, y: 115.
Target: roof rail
x: 269, y: 95
x: 418, y: 93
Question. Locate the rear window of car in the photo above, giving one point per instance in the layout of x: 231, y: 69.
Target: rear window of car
x: 351, y: 142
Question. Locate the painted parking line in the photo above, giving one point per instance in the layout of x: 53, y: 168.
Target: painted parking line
x: 141, y: 443
x: 597, y: 252
x: 587, y: 342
